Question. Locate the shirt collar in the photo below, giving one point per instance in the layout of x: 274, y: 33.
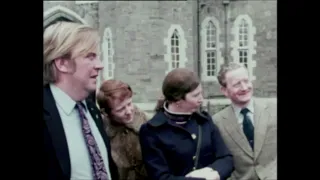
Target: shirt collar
x: 237, y: 109
x: 63, y: 100
x: 160, y: 118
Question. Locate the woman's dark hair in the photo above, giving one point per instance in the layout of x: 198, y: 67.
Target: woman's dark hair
x: 176, y: 85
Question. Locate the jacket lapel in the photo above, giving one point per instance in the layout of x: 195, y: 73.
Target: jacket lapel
x: 261, y: 117
x: 55, y: 128
x: 96, y: 116
x: 234, y: 130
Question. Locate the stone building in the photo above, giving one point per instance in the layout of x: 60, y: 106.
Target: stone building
x: 143, y: 40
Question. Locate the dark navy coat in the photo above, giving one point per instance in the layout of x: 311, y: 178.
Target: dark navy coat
x: 169, y: 150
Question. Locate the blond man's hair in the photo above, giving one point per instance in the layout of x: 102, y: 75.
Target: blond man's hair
x: 226, y: 68
x: 67, y: 40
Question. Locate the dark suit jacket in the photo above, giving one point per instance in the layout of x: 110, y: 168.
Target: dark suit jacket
x: 92, y: 96
x: 168, y: 151
x: 55, y: 143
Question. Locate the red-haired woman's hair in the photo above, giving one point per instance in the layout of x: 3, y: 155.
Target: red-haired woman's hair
x: 112, y: 92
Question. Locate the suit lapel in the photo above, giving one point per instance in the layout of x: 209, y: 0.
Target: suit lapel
x: 236, y: 133
x: 261, y: 117
x: 55, y: 127
x: 96, y: 116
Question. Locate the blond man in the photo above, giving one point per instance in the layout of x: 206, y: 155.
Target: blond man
x: 248, y: 126
x: 76, y: 146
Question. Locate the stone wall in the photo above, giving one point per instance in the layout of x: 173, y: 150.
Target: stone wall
x: 140, y: 27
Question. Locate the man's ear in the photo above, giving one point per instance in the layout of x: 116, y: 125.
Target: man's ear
x: 63, y: 65
x: 224, y: 91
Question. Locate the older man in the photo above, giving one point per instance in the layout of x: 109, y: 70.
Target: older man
x: 248, y: 126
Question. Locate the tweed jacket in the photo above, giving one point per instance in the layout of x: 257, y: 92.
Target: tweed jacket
x: 260, y: 163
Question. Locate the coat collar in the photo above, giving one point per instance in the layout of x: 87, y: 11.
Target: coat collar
x: 139, y: 118
x: 160, y: 118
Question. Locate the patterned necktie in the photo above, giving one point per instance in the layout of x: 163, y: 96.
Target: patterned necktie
x: 248, y: 128
x: 99, y: 170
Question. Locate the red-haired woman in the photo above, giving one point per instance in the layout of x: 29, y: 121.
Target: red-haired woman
x: 122, y: 123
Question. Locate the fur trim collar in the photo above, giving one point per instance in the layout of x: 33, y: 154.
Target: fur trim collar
x: 112, y: 128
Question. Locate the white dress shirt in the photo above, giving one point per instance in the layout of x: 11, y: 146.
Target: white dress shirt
x: 239, y: 116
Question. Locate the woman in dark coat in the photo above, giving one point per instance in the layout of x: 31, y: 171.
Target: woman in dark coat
x: 180, y: 142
